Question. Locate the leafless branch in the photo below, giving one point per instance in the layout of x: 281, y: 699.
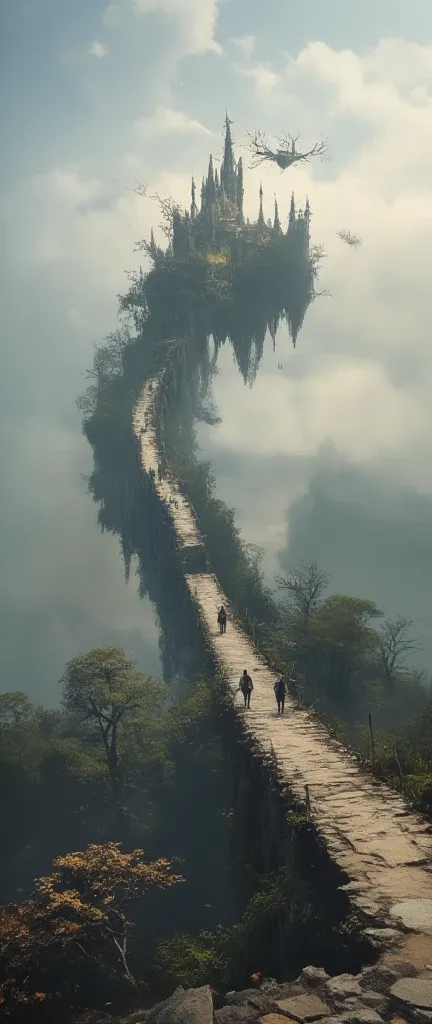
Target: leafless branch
x: 395, y: 644
x: 286, y: 154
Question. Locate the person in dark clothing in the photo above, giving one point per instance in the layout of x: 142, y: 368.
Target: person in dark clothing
x: 222, y: 619
x: 280, y: 694
x: 246, y: 687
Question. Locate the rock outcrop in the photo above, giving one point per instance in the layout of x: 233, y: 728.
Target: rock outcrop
x: 400, y: 994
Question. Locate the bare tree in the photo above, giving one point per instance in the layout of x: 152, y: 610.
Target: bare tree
x: 395, y: 643
x: 286, y: 154
x: 305, y: 585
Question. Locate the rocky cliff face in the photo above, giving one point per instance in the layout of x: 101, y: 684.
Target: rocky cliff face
x: 397, y: 993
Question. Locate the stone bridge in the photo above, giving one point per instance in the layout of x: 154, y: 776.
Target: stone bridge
x: 383, y: 848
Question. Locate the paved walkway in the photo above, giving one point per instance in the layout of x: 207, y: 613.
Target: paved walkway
x: 385, y: 849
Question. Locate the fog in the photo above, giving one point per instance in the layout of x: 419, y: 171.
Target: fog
x: 328, y: 458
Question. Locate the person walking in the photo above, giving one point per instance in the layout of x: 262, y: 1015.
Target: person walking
x: 222, y: 619
x: 246, y: 687
x: 280, y: 694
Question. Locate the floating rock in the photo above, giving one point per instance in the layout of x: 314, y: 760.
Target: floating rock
x: 414, y: 914
x: 193, y: 1006
x: 342, y: 987
x: 314, y: 976
x: 304, y: 1008
x: 414, y: 992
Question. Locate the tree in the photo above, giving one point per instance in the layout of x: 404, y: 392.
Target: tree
x: 344, y: 639
x: 106, y: 688
x: 76, y: 915
x: 15, y: 708
x: 305, y: 586
x: 394, y: 644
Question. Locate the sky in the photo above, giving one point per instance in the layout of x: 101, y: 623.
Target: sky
x: 95, y: 99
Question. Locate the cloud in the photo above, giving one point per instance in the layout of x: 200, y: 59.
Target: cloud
x: 246, y: 45
x: 196, y: 18
x: 361, y: 375
x: 348, y: 401
x: 165, y: 121
x: 264, y: 79
x: 98, y: 49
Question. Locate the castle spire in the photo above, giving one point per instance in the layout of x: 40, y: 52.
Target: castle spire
x: 276, y: 222
x: 307, y: 212
x: 227, y: 172
x: 261, y: 212
x: 292, y: 214
x: 194, y: 208
x: 240, y: 187
x: 210, y: 189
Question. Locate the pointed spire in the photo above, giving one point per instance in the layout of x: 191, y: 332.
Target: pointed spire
x: 152, y: 246
x: 276, y: 222
x: 193, y: 208
x: 261, y: 212
x: 227, y: 174
x: 210, y: 188
x: 240, y: 186
x: 292, y: 214
x: 307, y: 213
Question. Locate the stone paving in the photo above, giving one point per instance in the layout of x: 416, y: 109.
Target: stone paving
x: 385, y: 849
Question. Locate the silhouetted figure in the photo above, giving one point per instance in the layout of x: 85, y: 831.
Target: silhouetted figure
x: 280, y: 694
x: 222, y: 619
x: 246, y: 686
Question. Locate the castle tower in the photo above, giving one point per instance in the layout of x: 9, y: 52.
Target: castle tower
x: 276, y: 223
x: 193, y: 208
x: 227, y: 172
x: 240, y: 188
x: 261, y: 211
x: 292, y: 214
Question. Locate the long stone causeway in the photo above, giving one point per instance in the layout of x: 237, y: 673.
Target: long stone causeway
x: 384, y: 849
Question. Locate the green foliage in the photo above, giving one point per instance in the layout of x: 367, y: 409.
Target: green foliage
x: 238, y: 565
x: 226, y: 957
x: 15, y: 707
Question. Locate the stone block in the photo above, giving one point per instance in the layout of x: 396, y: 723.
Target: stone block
x: 414, y: 992
x: 304, y: 1008
x: 342, y: 987
x: 314, y: 976
x: 235, y: 1015
x: 193, y: 1006
x: 360, y: 1015
x: 273, y: 1018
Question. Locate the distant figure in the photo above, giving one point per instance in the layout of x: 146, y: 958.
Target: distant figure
x: 280, y: 694
x: 246, y: 687
x: 222, y: 617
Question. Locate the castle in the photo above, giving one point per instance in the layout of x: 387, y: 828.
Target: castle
x: 218, y: 225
